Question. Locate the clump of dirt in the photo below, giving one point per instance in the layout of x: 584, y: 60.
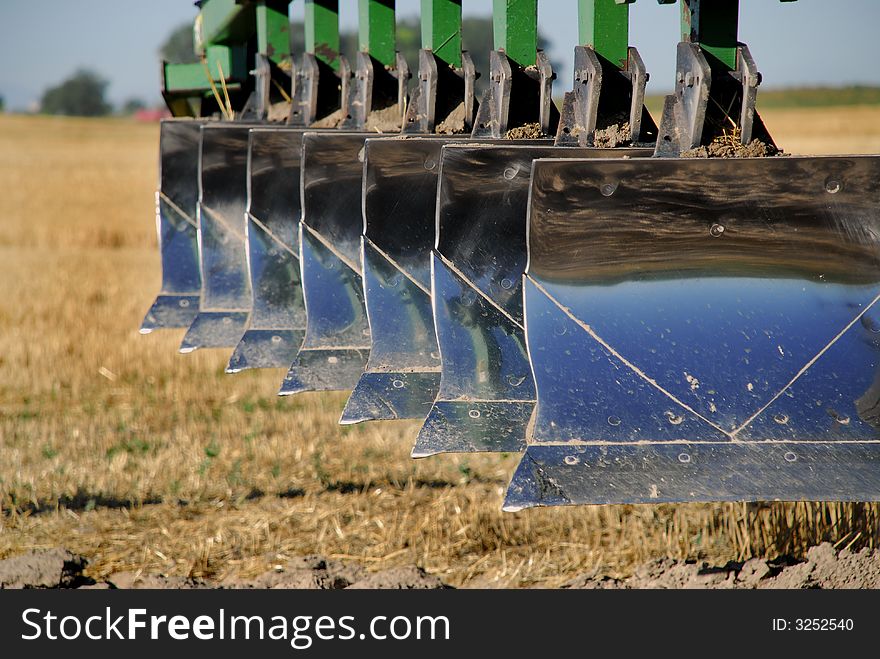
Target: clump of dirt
x: 44, y: 568
x: 330, y: 121
x: 59, y: 568
x: 823, y: 567
x: 612, y: 136
x: 525, y: 132
x: 729, y: 146
x: 400, y: 578
x: 308, y: 573
x: 827, y: 568
x: 454, y: 123
x: 278, y: 112
x: 387, y: 120
x: 140, y: 581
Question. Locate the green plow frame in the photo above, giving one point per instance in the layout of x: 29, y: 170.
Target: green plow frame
x: 647, y: 310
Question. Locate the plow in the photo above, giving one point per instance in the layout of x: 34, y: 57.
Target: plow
x: 646, y: 309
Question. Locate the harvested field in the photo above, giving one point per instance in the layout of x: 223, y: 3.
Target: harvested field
x: 145, y: 461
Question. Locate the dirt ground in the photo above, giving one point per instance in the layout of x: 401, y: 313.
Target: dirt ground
x: 150, y: 463
x: 59, y: 568
x: 823, y: 567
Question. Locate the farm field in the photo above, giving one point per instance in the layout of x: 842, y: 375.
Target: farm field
x: 118, y: 448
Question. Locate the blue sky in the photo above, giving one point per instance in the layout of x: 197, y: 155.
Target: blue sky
x: 808, y: 42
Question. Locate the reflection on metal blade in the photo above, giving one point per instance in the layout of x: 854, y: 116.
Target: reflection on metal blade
x: 478, y: 265
x: 226, y: 291
x: 337, y: 339
x: 399, y: 202
x: 176, y: 201
x: 671, y: 473
x: 277, y: 322
x: 695, y: 341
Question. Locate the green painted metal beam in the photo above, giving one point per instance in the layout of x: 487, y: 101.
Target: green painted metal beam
x: 441, y: 29
x: 322, y: 31
x: 714, y: 25
x: 194, y: 77
x: 273, y: 31
x: 226, y: 21
x: 515, y: 26
x: 376, y: 31
x: 604, y: 25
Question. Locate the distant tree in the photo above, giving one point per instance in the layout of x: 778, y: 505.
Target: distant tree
x: 80, y: 95
x: 132, y: 105
x: 2, y: 104
x: 178, y: 47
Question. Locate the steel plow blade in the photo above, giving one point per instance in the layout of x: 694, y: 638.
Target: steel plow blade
x: 277, y: 321
x: 703, y: 331
x: 176, y: 206
x: 487, y: 393
x: 337, y: 339
x: 402, y: 375
x: 226, y: 289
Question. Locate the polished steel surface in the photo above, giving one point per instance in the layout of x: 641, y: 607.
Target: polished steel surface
x: 478, y: 264
x: 176, y: 205
x: 337, y: 339
x: 671, y: 473
x: 703, y: 330
x: 399, y: 201
x: 226, y: 290
x: 277, y: 321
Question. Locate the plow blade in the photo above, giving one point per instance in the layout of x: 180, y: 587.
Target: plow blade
x: 226, y: 289
x: 487, y: 393
x: 703, y: 331
x: 277, y: 321
x: 337, y: 339
x: 402, y: 375
x: 176, y: 206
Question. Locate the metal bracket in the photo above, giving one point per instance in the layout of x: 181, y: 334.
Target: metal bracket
x: 516, y: 96
x: 375, y: 88
x: 749, y: 77
x: 266, y: 96
x: 318, y: 90
x: 441, y: 89
x: 259, y: 101
x: 581, y: 105
x: 710, y: 103
x: 684, y: 112
x: 603, y: 96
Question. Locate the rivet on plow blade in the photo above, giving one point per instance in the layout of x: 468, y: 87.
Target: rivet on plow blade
x: 399, y: 201
x: 486, y: 392
x: 278, y: 319
x: 337, y: 341
x: 678, y: 362
x: 176, y: 225
x: 226, y: 289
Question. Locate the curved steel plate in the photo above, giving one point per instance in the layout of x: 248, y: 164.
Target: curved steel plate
x: 388, y: 396
x: 330, y: 231
x: 226, y: 290
x: 457, y: 426
x: 176, y: 202
x: 665, y: 308
x: 672, y: 473
x: 214, y: 329
x: 336, y: 345
x: 277, y: 322
x: 478, y: 263
x: 399, y: 201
